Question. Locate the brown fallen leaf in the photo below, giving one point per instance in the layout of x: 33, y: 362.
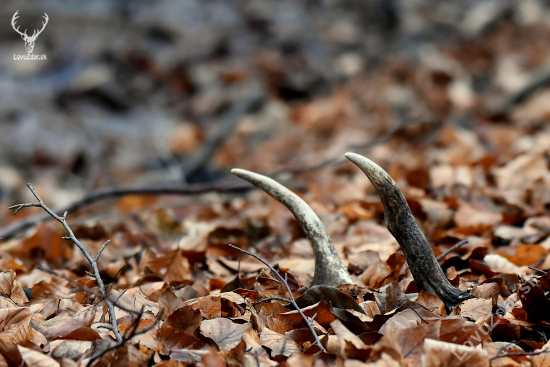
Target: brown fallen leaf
x: 171, y: 267
x: 225, y: 333
x: 277, y: 343
x: 438, y: 353
x: 36, y: 358
x: 12, y: 289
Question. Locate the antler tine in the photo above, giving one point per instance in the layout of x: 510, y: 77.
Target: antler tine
x: 46, y: 18
x: 425, y: 269
x: 329, y: 269
x: 13, y: 20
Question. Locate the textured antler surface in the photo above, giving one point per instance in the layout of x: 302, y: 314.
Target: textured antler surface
x: 329, y: 269
x: 425, y: 269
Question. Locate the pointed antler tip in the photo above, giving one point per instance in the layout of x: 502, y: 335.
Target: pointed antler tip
x: 239, y: 172
x: 361, y: 161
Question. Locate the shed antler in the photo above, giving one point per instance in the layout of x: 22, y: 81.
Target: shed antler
x: 425, y: 269
x: 329, y: 269
x: 29, y: 40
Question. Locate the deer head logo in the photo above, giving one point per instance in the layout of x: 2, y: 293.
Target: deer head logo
x: 29, y: 40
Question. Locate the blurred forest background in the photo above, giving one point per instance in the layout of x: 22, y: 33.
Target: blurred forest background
x: 131, y: 90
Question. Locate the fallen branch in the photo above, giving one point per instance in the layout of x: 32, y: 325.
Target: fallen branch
x: 400, y: 221
x: 206, y: 151
x: 292, y: 299
x: 329, y: 268
x: 82, y: 248
x: 109, y: 193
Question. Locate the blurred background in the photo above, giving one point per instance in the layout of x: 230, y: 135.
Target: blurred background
x: 178, y: 92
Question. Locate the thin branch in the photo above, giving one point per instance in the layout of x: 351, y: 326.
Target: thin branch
x: 292, y: 299
x: 81, y: 247
x: 269, y: 299
x: 207, y: 150
x: 88, y: 290
x: 451, y: 249
x: 116, y: 192
x: 127, y: 336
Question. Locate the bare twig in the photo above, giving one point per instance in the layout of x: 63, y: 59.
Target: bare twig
x: 89, y: 290
x: 81, y: 247
x: 292, y: 299
x: 109, y: 193
x: 329, y: 268
x: 269, y: 299
x: 205, y: 152
x: 130, y: 333
x: 451, y: 249
x: 400, y: 221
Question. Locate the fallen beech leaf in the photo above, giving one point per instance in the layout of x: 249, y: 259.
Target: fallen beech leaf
x: 534, y: 301
x: 344, y: 334
x: 171, y: 267
x: 279, y: 344
x: 35, y: 358
x: 438, y: 353
x: 476, y: 214
x: 430, y: 301
x: 11, y: 288
x: 15, y: 327
x: 225, y: 333
x: 526, y: 254
x: 45, y: 244
x: 169, y: 303
x: 499, y: 264
x: 185, y: 319
x: 174, y: 339
x: 300, y: 360
x: 71, y: 349
x: 400, y: 321
x: 476, y: 308
x: 212, y: 359
x: 65, y: 323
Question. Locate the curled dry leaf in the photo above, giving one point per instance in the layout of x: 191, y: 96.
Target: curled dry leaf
x: 12, y: 289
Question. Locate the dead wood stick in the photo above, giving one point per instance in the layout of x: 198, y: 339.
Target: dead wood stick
x: 400, y: 221
x: 329, y: 268
x: 109, y: 193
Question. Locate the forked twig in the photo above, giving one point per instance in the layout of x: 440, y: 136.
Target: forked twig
x: 329, y: 268
x: 82, y: 248
x: 292, y: 299
x: 130, y: 332
x: 400, y: 221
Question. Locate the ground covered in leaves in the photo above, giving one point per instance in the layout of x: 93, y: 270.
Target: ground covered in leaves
x: 461, y: 124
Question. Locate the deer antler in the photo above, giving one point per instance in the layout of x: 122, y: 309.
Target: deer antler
x: 329, y: 269
x: 13, y: 19
x: 36, y: 31
x: 425, y: 269
x: 29, y: 40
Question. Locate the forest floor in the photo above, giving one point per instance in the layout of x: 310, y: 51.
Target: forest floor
x: 456, y: 111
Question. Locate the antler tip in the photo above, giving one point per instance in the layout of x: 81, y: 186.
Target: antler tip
x: 239, y: 172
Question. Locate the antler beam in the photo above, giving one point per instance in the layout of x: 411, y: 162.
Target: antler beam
x: 426, y: 272
x: 329, y: 269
